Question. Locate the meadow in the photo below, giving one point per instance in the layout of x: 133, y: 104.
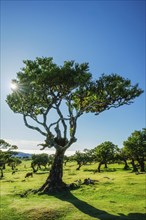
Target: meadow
x: 116, y: 195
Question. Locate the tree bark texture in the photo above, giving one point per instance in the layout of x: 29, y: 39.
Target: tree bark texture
x: 54, y: 182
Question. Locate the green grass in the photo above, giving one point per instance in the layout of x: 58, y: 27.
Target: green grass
x: 116, y: 195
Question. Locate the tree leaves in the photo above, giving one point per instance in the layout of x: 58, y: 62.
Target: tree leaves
x: 106, y: 151
x: 44, y: 86
x: 135, y: 145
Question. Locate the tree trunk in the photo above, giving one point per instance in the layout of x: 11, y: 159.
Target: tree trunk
x: 134, y: 166
x: 99, y: 165
x: 39, y: 167
x: 141, y: 163
x: 126, y: 167
x: 2, y: 174
x: 4, y: 166
x: 33, y: 167
x: 80, y: 164
x: 54, y: 182
x: 105, y: 165
x: 13, y: 167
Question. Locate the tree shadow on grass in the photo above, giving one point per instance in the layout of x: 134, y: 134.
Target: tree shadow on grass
x: 91, y: 211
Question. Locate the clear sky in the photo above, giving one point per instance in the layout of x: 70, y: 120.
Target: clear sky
x: 110, y: 35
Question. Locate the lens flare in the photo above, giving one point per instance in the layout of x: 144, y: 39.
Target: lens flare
x: 14, y: 86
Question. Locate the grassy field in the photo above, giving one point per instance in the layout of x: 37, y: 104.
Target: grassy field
x: 116, y: 195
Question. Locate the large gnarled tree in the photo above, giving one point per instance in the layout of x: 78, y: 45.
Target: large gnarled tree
x: 52, y: 98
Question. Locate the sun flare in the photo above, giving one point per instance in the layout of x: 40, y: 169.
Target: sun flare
x: 14, y: 86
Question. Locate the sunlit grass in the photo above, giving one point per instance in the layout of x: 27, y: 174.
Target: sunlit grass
x: 117, y: 194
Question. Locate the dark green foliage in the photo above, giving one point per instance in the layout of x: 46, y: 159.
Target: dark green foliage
x: 122, y: 155
x: 7, y: 146
x: 135, y: 146
x: 43, y: 86
x: 82, y: 158
x: 40, y: 160
x: 6, y: 157
x: 105, y: 153
x: 13, y: 162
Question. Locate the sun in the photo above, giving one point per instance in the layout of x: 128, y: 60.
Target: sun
x: 14, y: 86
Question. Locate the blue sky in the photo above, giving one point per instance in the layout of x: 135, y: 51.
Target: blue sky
x: 110, y: 35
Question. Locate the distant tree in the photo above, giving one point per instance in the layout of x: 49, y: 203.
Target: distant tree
x: 122, y: 155
x: 4, y: 144
x: 5, y: 155
x: 52, y: 98
x: 66, y: 159
x: 82, y: 158
x: 135, y: 146
x: 89, y: 154
x: 79, y: 157
x: 39, y: 160
x: 104, y: 153
x: 3, y: 159
x: 13, y: 162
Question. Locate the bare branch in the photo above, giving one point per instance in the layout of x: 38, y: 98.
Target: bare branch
x: 62, y: 120
x: 32, y: 127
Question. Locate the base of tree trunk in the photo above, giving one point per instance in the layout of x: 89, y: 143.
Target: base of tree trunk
x: 142, y: 168
x: 54, y: 182
x: 49, y: 187
x: 126, y: 167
